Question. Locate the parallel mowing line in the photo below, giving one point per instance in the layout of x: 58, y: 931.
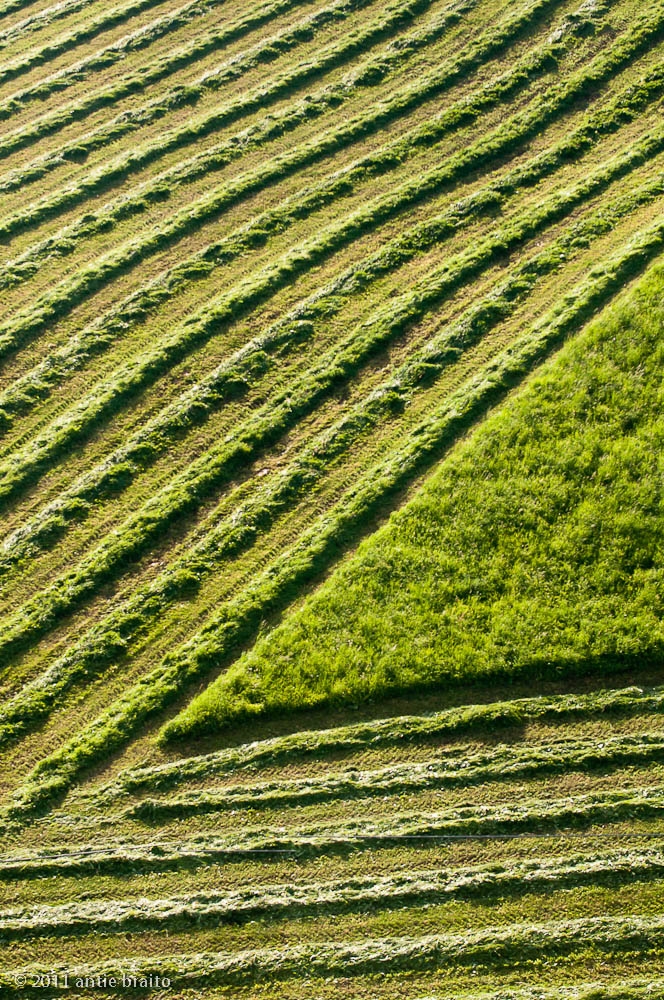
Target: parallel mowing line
x: 262, y: 428
x: 136, y: 42
x: 92, y: 277
x: 252, y: 360
x: 107, y: 642
x: 11, y: 6
x: 48, y: 16
x: 13, y: 464
x: 532, y: 817
x: 626, y: 989
x: 160, y: 69
x: 448, y: 770
x: 492, y: 947
x: 399, y: 731
x: 297, y: 207
x: 277, y: 902
x: 65, y: 44
x: 335, y: 54
x: 239, y: 618
x: 160, y: 186
x: 65, y: 242
x: 143, y: 370
x: 136, y: 376
x: 28, y: 390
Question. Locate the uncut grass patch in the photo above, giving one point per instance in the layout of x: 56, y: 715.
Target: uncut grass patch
x: 278, y: 584
x: 535, y: 549
x: 182, y: 493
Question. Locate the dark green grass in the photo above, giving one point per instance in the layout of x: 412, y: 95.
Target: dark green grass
x: 536, y: 549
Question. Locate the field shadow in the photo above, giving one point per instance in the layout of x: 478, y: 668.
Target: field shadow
x: 643, y: 670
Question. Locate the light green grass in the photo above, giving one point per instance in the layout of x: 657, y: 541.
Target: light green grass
x: 535, y: 549
x: 263, y: 266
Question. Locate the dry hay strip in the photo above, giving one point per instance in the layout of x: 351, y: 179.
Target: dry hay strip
x: 339, y: 896
x: 545, y: 817
x: 492, y: 947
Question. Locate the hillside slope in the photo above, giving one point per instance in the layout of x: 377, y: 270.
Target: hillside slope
x: 263, y: 267
x: 534, y: 552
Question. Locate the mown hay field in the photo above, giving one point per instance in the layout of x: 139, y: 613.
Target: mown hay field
x: 270, y: 272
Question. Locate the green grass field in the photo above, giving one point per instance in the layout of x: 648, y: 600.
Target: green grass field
x: 330, y: 487
x: 534, y: 552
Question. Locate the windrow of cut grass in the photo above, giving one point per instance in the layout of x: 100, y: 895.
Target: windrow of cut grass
x: 487, y: 948
x: 534, y: 816
x: 73, y: 502
x: 239, y: 618
x: 100, y: 177
x: 58, y: 303
x: 107, y: 19
x: 134, y: 376
x: 252, y: 359
x: 12, y: 6
x: 30, y: 388
x: 264, y: 225
x: 449, y: 770
x: 278, y: 902
x: 41, y: 19
x: 105, y: 643
x: 48, y: 374
x: 390, y: 732
x: 136, y: 41
x: 120, y: 385
x: 630, y: 988
x: 175, y: 97
x: 118, y: 168
x: 66, y: 241
x: 299, y: 398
